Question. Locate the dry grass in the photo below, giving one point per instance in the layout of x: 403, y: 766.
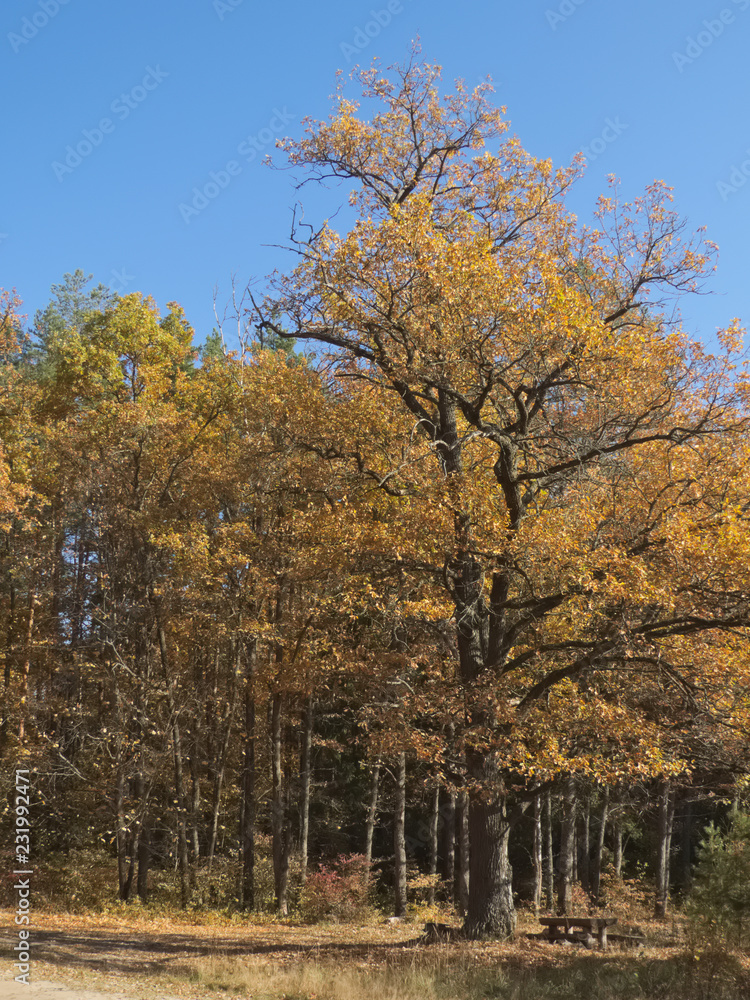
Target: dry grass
x: 276, y: 960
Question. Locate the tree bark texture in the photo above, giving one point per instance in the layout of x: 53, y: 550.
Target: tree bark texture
x: 584, y: 843
x: 279, y: 818
x: 537, y: 854
x: 448, y: 841
x: 434, y: 822
x: 567, y: 846
x: 617, y: 849
x: 372, y: 812
x: 549, y: 857
x: 247, y: 824
x: 491, y: 913
x: 461, y: 891
x: 399, y: 838
x: 596, y: 868
x: 663, y: 847
x: 305, y: 777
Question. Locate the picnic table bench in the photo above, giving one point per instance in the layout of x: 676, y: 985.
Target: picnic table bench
x: 578, y: 929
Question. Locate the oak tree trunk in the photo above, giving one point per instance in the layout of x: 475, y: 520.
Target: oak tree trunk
x: 491, y: 913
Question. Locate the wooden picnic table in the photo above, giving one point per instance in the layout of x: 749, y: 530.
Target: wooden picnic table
x: 579, y: 929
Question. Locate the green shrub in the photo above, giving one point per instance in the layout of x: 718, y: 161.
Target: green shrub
x: 719, y: 904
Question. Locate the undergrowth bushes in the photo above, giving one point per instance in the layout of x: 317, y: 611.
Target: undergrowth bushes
x: 339, y: 891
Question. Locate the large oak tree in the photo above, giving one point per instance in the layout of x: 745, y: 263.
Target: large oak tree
x: 569, y: 475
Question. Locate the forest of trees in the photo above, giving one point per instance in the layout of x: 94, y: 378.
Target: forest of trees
x: 444, y: 560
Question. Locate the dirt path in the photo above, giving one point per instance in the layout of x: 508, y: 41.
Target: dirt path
x: 50, y: 991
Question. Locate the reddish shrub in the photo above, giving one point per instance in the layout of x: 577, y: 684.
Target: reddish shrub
x: 340, y: 891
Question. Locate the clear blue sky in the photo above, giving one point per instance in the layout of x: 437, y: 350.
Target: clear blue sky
x: 654, y: 88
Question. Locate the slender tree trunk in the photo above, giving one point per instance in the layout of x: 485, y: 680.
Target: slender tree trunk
x: 549, y: 858
x: 144, y: 837
x: 617, y: 856
x: 434, y: 820
x: 144, y: 861
x: 686, y: 846
x: 220, y: 770
x: 537, y: 853
x: 448, y: 836
x: 247, y: 818
x: 182, y: 848
x: 372, y: 813
x: 491, y: 912
x: 567, y: 846
x: 279, y: 824
x: 664, y: 833
x: 399, y: 838
x: 26, y: 666
x: 142, y: 787
x: 123, y: 861
x: 305, y: 775
x: 195, y: 807
x: 596, y: 868
x: 584, y: 843
x: 461, y: 891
